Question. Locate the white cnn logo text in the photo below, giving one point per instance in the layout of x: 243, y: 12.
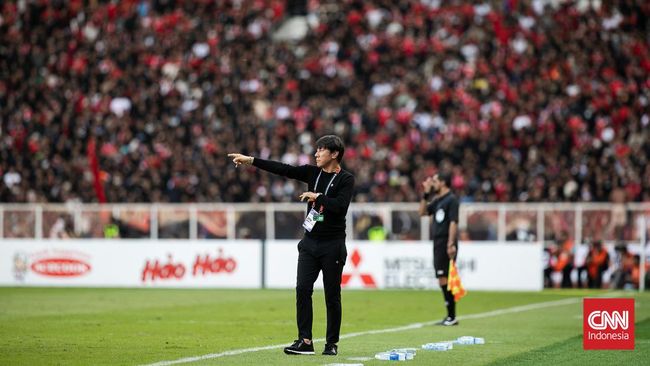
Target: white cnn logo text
x: 602, y: 319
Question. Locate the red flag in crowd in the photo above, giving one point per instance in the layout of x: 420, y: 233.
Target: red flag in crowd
x: 94, y: 167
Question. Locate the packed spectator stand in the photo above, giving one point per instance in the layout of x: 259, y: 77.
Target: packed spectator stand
x: 140, y: 101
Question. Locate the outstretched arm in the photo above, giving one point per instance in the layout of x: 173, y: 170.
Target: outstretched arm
x: 301, y: 173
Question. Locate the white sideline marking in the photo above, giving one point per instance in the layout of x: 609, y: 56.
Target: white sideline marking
x: 515, y: 309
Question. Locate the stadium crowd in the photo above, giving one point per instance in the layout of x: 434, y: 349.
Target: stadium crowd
x: 540, y: 100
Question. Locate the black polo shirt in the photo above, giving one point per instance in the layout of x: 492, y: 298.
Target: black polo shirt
x: 443, y: 211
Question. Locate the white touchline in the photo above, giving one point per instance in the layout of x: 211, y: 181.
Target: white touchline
x: 515, y: 309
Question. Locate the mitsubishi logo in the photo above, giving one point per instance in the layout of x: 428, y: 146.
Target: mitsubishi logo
x: 366, y: 278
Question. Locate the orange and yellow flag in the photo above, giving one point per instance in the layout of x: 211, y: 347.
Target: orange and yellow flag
x: 453, y: 282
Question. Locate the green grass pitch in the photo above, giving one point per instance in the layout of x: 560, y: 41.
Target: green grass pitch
x: 68, y: 326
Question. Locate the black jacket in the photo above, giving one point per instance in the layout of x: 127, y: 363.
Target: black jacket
x: 335, y: 204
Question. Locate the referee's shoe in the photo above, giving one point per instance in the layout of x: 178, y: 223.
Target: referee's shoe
x: 299, y: 347
x: 448, y: 321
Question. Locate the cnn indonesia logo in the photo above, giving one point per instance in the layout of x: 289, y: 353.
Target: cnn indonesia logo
x: 608, y: 324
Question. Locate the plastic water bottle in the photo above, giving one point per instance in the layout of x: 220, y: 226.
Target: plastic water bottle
x: 479, y: 340
x: 385, y: 356
x: 410, y: 352
x: 391, y: 356
x: 439, y: 346
x: 465, y: 340
x: 450, y: 343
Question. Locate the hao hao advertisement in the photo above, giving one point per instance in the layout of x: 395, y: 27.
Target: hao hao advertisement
x: 124, y: 263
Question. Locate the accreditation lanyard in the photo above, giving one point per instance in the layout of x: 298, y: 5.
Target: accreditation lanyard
x: 320, y: 211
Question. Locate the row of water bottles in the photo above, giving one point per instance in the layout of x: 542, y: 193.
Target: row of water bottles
x: 448, y: 345
x: 398, y: 354
x: 439, y: 346
x: 470, y: 340
x: 404, y: 354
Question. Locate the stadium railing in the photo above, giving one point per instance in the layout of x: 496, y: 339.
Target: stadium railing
x: 539, y: 222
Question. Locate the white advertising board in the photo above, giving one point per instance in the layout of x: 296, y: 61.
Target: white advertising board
x: 131, y: 263
x: 238, y: 264
x: 484, y: 266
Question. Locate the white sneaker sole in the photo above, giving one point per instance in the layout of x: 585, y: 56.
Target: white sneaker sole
x: 299, y: 352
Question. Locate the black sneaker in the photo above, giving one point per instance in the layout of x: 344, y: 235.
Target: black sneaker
x: 299, y: 347
x: 448, y: 321
x: 331, y: 350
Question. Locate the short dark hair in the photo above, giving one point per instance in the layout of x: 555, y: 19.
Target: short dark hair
x: 445, y: 177
x: 332, y: 143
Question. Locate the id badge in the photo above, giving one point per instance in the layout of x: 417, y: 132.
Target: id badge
x: 310, y: 220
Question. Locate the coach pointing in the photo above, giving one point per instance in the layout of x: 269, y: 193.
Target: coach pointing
x: 328, y: 196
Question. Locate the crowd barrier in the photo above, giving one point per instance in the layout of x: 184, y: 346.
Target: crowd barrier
x: 503, y: 222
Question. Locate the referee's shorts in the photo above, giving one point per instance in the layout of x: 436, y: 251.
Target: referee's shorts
x: 441, y: 258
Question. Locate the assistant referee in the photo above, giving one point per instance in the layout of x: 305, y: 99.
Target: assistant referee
x: 329, y: 192
x: 438, y: 201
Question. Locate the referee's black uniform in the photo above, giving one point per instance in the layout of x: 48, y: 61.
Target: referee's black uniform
x: 322, y: 248
x: 444, y: 211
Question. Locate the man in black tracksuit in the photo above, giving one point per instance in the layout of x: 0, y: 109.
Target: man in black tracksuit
x: 329, y: 192
x: 444, y: 209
